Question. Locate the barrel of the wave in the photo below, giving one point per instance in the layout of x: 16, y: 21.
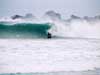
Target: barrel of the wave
x: 25, y: 30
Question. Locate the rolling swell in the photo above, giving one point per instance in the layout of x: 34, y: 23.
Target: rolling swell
x: 24, y: 30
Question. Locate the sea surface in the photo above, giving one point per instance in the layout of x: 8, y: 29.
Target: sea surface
x: 66, y: 56
x: 73, y: 49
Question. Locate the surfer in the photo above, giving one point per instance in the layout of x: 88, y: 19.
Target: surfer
x: 49, y: 35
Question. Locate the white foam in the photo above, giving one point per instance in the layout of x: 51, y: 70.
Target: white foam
x: 48, y: 55
x: 77, y: 28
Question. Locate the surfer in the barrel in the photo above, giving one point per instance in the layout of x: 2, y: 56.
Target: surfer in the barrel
x: 49, y: 35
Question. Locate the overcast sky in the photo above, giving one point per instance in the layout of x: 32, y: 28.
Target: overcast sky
x: 39, y: 7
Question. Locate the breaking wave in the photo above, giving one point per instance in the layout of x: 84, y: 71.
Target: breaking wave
x: 76, y: 28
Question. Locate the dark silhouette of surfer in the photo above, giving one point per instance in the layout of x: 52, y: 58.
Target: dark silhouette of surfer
x: 49, y: 35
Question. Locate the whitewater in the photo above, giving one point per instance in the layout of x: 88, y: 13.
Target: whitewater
x: 74, y: 48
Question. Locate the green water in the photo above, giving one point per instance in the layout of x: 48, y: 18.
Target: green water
x: 24, y: 30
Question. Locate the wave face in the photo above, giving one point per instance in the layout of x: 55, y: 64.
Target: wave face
x: 24, y: 30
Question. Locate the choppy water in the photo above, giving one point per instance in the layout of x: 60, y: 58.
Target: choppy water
x: 50, y: 56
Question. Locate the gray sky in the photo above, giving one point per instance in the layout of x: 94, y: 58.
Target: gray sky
x: 39, y: 7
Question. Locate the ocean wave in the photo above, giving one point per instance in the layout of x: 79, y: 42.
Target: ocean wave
x: 74, y: 27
